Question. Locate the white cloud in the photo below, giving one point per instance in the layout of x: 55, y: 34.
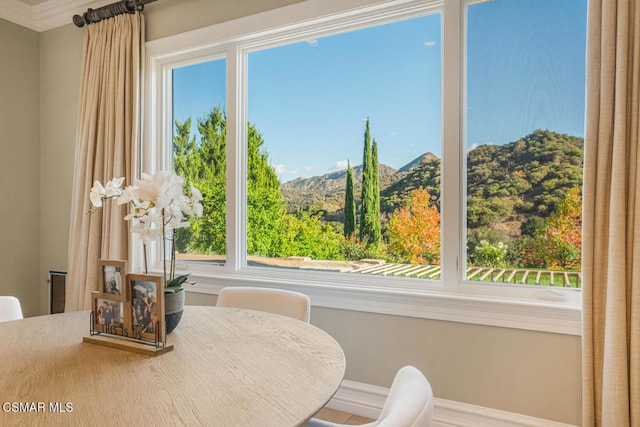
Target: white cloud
x: 312, y: 42
x: 279, y: 169
x: 340, y: 165
x: 430, y: 43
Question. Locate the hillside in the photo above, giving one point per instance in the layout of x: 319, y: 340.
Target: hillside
x: 521, y: 179
x: 326, y: 192
x: 425, y: 158
x: 506, y: 184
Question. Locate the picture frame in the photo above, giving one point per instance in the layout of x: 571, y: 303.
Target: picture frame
x: 110, y: 315
x: 112, y: 280
x: 147, y: 307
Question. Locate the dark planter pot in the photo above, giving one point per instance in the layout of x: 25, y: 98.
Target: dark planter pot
x: 173, y: 309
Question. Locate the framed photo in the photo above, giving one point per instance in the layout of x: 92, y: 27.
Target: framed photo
x: 112, y: 278
x: 147, y: 306
x: 109, y: 315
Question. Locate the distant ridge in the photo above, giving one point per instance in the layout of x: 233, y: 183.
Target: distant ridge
x: 418, y: 161
x: 326, y: 192
x: 506, y: 184
x: 333, y: 180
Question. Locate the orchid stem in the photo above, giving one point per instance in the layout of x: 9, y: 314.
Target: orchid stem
x: 144, y: 254
x: 164, y: 250
x: 173, y: 254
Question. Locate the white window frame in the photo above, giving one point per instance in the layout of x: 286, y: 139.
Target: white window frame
x: 452, y: 298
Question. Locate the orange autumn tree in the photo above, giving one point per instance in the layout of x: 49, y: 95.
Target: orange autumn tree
x: 559, y: 243
x: 414, y: 230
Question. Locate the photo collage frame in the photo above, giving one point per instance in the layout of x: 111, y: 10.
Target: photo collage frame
x: 128, y: 305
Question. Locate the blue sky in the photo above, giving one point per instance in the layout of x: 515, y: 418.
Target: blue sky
x: 310, y: 100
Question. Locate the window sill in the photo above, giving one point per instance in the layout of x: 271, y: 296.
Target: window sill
x: 562, y: 317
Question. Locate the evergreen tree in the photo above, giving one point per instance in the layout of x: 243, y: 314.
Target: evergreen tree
x: 183, y: 149
x: 265, y: 206
x: 349, y: 205
x: 370, y: 209
x: 375, y: 234
x: 367, y: 196
x: 202, y: 162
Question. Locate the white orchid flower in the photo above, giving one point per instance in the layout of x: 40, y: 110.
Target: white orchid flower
x: 97, y: 194
x: 128, y: 195
x: 191, y: 205
x: 176, y: 220
x: 152, y: 217
x: 196, y: 195
x: 138, y: 211
x: 196, y: 198
x: 147, y: 190
x: 157, y: 204
x: 112, y: 188
x: 146, y: 232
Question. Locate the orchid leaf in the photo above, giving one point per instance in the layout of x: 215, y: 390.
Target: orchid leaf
x: 175, y: 284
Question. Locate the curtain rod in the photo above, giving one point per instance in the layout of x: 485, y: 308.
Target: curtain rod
x: 125, y: 6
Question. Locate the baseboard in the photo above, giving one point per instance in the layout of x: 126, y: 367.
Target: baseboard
x: 367, y: 401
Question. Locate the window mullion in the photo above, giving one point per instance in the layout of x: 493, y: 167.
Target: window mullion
x: 451, y: 226
x: 236, y: 172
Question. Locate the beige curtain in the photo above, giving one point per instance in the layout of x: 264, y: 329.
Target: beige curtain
x: 106, y: 140
x: 611, y: 252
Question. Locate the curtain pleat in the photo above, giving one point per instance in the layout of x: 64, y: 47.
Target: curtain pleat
x: 106, y: 141
x: 611, y: 251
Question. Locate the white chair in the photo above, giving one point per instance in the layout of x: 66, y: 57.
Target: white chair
x: 10, y: 308
x: 279, y: 301
x: 409, y: 403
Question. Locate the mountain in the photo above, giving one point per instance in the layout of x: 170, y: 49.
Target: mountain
x: 425, y: 158
x: 506, y: 184
x: 425, y: 174
x: 326, y: 192
x: 334, y: 180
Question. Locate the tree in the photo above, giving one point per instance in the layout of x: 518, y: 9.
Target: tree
x: 202, y: 162
x: 304, y: 234
x: 265, y: 206
x: 562, y: 235
x: 558, y: 244
x: 370, y: 204
x: 414, y: 230
x: 349, y: 205
x: 375, y: 234
x: 366, y: 196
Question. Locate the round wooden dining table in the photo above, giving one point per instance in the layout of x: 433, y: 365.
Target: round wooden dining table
x: 228, y: 367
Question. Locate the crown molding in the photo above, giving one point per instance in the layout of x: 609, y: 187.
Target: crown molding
x: 17, y: 12
x: 48, y: 15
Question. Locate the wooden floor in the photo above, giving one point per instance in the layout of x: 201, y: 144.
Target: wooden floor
x: 341, y: 417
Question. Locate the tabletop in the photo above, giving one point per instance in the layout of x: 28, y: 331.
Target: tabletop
x: 229, y: 367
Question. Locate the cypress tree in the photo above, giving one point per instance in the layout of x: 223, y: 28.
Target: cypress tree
x: 366, y: 197
x: 349, y: 205
x: 375, y: 234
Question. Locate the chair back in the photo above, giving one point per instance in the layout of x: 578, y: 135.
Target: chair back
x: 278, y: 301
x: 410, y: 401
x: 10, y: 308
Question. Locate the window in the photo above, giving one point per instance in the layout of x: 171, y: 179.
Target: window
x: 524, y: 141
x: 357, y: 110
x: 199, y: 154
x: 339, y: 89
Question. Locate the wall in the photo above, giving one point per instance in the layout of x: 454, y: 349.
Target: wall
x: 532, y: 373
x: 60, y: 63
x: 19, y: 165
